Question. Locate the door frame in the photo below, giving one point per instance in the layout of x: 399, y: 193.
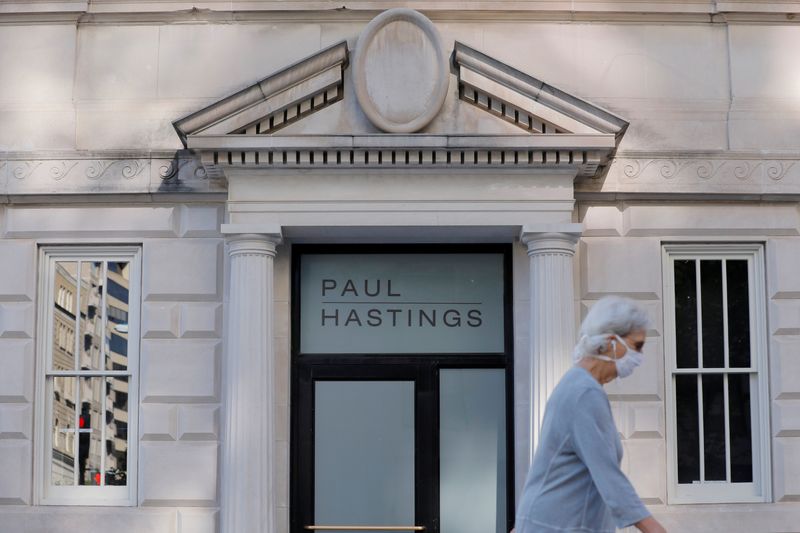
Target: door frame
x: 424, y: 368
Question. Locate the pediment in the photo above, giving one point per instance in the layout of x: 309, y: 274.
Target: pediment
x: 550, y: 127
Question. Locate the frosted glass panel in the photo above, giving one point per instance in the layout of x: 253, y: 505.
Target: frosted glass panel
x: 401, y: 303
x: 473, y: 450
x: 364, y: 453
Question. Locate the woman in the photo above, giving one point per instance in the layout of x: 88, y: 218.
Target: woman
x: 575, y: 483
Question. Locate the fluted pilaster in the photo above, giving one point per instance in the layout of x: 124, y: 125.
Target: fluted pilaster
x: 248, y: 496
x: 552, y: 333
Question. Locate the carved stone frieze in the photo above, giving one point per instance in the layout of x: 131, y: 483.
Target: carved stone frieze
x: 107, y: 175
x: 722, y: 173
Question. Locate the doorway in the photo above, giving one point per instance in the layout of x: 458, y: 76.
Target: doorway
x: 395, y: 425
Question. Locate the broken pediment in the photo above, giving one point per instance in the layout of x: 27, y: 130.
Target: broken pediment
x: 544, y: 127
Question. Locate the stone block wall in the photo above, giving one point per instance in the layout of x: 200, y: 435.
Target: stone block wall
x: 180, y: 361
x: 620, y: 253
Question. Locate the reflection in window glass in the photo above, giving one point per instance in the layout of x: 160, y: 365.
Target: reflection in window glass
x: 90, y: 377
x: 64, y: 290
x: 90, y: 430
x: 91, y: 316
x: 116, y: 311
x: 116, y: 431
x: 63, y: 456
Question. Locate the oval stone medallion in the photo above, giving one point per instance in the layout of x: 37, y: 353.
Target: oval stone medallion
x: 400, y: 72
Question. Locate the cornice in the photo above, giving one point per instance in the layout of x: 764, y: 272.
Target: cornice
x: 214, y: 11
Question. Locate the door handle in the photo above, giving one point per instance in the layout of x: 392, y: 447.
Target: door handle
x: 365, y: 528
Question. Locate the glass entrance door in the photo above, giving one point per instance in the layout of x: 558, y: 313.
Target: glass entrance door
x: 361, y: 464
x: 364, y: 454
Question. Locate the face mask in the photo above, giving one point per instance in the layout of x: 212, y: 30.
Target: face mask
x: 628, y: 362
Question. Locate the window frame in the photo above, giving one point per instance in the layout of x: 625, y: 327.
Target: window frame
x: 760, y: 489
x: 44, y: 492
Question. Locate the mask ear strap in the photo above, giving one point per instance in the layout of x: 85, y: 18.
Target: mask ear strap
x: 614, y: 348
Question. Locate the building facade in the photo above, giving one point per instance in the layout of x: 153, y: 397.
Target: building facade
x: 297, y: 266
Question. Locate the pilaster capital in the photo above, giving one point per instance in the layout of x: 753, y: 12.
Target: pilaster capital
x: 551, y: 238
x: 252, y: 239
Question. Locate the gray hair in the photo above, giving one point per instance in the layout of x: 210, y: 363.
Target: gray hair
x: 609, y: 316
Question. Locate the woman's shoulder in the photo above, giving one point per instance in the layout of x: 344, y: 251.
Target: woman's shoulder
x: 578, y: 378
x: 578, y: 386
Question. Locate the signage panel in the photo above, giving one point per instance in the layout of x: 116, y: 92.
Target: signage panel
x: 389, y: 303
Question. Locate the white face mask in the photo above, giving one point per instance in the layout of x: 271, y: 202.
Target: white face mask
x: 628, y: 362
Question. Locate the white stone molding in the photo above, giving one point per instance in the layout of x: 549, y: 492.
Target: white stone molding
x: 728, y: 175
x: 723, y: 173
x: 107, y: 173
x: 664, y: 11
x: 551, y: 250
x: 248, y: 500
x: 559, y: 130
x: 277, y: 100
x: 525, y: 101
x: 580, y: 154
x: 412, y: 93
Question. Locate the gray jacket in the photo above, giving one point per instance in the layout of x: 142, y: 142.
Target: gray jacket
x: 575, y: 482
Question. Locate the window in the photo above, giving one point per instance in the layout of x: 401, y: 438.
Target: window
x: 87, y: 387
x: 716, y: 361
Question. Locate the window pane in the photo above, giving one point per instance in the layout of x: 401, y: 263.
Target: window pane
x: 364, y: 453
x: 738, y: 314
x: 90, y: 428
x: 711, y: 292
x: 63, y: 457
x: 91, y: 314
x: 688, y: 435
x: 64, y: 291
x: 686, y: 314
x: 472, y: 460
x: 741, y: 438
x: 714, y: 427
x: 116, y: 446
x: 117, y: 316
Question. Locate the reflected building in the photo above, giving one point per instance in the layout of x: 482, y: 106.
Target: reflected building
x: 93, y: 408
